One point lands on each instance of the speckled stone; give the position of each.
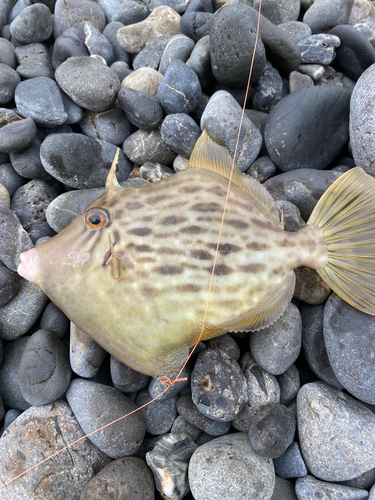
(160, 415)
(284, 490)
(86, 355)
(141, 109)
(268, 90)
(151, 55)
(280, 12)
(69, 13)
(225, 343)
(16, 133)
(54, 320)
(111, 126)
(310, 287)
(143, 146)
(4, 196)
(33, 24)
(324, 14)
(290, 464)
(181, 425)
(125, 379)
(180, 133)
(310, 487)
(98, 44)
(34, 60)
(9, 79)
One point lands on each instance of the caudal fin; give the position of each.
(346, 215)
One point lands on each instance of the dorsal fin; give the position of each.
(208, 154)
(111, 177)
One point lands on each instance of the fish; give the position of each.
(133, 271)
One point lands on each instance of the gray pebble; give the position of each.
(111, 126)
(284, 490)
(180, 133)
(7, 55)
(314, 71)
(289, 383)
(125, 379)
(151, 55)
(225, 343)
(95, 405)
(110, 32)
(9, 285)
(280, 12)
(336, 433)
(156, 386)
(365, 480)
(148, 146)
(310, 487)
(145, 80)
(86, 355)
(181, 425)
(141, 109)
(178, 47)
(69, 13)
(365, 26)
(196, 25)
(310, 287)
(296, 30)
(262, 169)
(159, 415)
(267, 91)
(74, 76)
(9, 417)
(33, 24)
(70, 44)
(154, 172)
(228, 467)
(325, 14)
(16, 133)
(200, 62)
(54, 320)
(9, 79)
(290, 464)
(27, 162)
(121, 69)
(318, 49)
(130, 12)
(299, 81)
(180, 163)
(291, 214)
(98, 44)
(10, 390)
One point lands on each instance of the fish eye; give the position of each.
(96, 218)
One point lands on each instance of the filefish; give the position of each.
(134, 270)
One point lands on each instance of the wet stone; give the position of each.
(267, 91)
(74, 76)
(290, 464)
(272, 430)
(296, 30)
(180, 133)
(9, 79)
(128, 476)
(196, 25)
(86, 355)
(98, 44)
(229, 467)
(156, 386)
(143, 146)
(225, 343)
(188, 410)
(324, 14)
(9, 285)
(310, 287)
(181, 425)
(33, 24)
(95, 405)
(146, 80)
(125, 379)
(27, 162)
(262, 169)
(289, 383)
(168, 462)
(10, 390)
(30, 203)
(34, 434)
(313, 344)
(111, 126)
(151, 55)
(141, 109)
(70, 44)
(81, 162)
(16, 133)
(221, 117)
(160, 415)
(69, 13)
(130, 12)
(318, 49)
(336, 433)
(348, 337)
(180, 90)
(178, 47)
(54, 320)
(200, 62)
(7, 55)
(310, 487)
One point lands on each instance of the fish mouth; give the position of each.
(29, 266)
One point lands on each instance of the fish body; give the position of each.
(134, 271)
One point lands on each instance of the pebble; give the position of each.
(290, 464)
(110, 32)
(127, 476)
(95, 405)
(38, 433)
(146, 80)
(299, 81)
(196, 25)
(70, 14)
(33, 24)
(335, 433)
(10, 390)
(284, 490)
(110, 126)
(180, 90)
(160, 415)
(348, 335)
(95, 94)
(289, 383)
(130, 12)
(277, 347)
(9, 417)
(16, 133)
(365, 26)
(82, 162)
(200, 62)
(314, 71)
(27, 162)
(70, 44)
(310, 487)
(323, 15)
(361, 9)
(181, 425)
(267, 91)
(281, 12)
(292, 216)
(9, 79)
(225, 343)
(4, 196)
(121, 69)
(310, 287)
(313, 344)
(361, 121)
(85, 355)
(125, 379)
(162, 21)
(180, 163)
(156, 386)
(9, 285)
(142, 110)
(7, 53)
(229, 468)
(262, 169)
(180, 133)
(296, 30)
(154, 172)
(143, 146)
(98, 44)
(54, 320)
(318, 49)
(221, 117)
(33, 61)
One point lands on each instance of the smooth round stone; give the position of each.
(34, 61)
(160, 415)
(221, 118)
(81, 162)
(110, 32)
(44, 369)
(110, 126)
(307, 129)
(125, 379)
(280, 12)
(310, 487)
(86, 355)
(299, 81)
(31, 214)
(162, 21)
(4, 196)
(336, 433)
(348, 337)
(128, 476)
(98, 44)
(141, 109)
(188, 410)
(365, 26)
(362, 109)
(181, 425)
(267, 91)
(218, 385)
(154, 172)
(229, 468)
(325, 14)
(180, 90)
(9, 79)
(14, 239)
(10, 391)
(9, 285)
(145, 80)
(200, 62)
(232, 41)
(143, 146)
(290, 464)
(95, 405)
(284, 490)
(168, 462)
(121, 69)
(313, 345)
(178, 47)
(70, 44)
(16, 133)
(200, 6)
(289, 383)
(37, 434)
(196, 25)
(156, 386)
(272, 430)
(130, 12)
(33, 24)
(262, 169)
(72, 14)
(180, 133)
(151, 55)
(310, 287)
(27, 162)
(88, 82)
(318, 49)
(54, 320)
(7, 55)
(296, 30)
(225, 343)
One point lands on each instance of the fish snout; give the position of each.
(29, 265)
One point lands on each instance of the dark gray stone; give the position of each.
(151, 55)
(54, 320)
(200, 62)
(310, 287)
(125, 379)
(318, 49)
(9, 285)
(181, 425)
(16, 133)
(280, 12)
(130, 12)
(10, 390)
(290, 464)
(180, 133)
(148, 146)
(154, 172)
(291, 214)
(141, 109)
(86, 355)
(27, 162)
(365, 26)
(98, 44)
(160, 415)
(110, 32)
(69, 44)
(177, 47)
(262, 169)
(310, 487)
(34, 61)
(95, 405)
(267, 91)
(156, 386)
(9, 79)
(298, 81)
(284, 490)
(70, 14)
(196, 25)
(33, 24)
(7, 55)
(364, 481)
(188, 410)
(9, 417)
(296, 30)
(289, 383)
(324, 14)
(111, 126)
(225, 343)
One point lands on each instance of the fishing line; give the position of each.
(166, 380)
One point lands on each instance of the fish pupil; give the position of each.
(95, 219)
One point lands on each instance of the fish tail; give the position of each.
(346, 216)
